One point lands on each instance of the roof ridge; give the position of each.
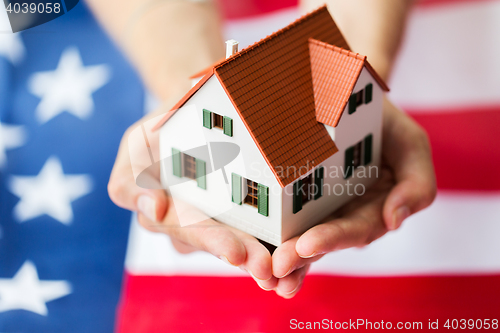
(271, 36)
(339, 49)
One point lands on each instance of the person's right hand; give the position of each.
(156, 211)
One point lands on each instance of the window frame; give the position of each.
(188, 166)
(217, 121)
(360, 156)
(251, 198)
(360, 98)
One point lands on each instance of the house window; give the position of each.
(218, 121)
(307, 189)
(255, 195)
(211, 119)
(184, 165)
(356, 160)
(364, 96)
(189, 170)
(358, 155)
(251, 197)
(359, 98)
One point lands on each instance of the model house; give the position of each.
(303, 116)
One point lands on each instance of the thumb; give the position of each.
(123, 189)
(125, 193)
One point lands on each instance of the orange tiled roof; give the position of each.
(270, 83)
(335, 72)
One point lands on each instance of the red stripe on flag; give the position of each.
(236, 304)
(464, 147)
(246, 8)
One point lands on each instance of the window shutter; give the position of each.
(207, 119)
(318, 181)
(201, 173)
(228, 126)
(352, 104)
(368, 93)
(297, 196)
(349, 162)
(263, 199)
(176, 162)
(236, 188)
(368, 149)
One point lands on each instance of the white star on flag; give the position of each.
(11, 44)
(10, 137)
(68, 88)
(50, 192)
(26, 292)
(11, 47)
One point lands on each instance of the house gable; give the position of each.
(335, 72)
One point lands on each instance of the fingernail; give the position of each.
(147, 206)
(280, 277)
(266, 289)
(256, 278)
(314, 254)
(399, 216)
(290, 292)
(224, 258)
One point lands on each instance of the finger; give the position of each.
(182, 247)
(407, 152)
(358, 228)
(207, 235)
(286, 260)
(289, 286)
(258, 262)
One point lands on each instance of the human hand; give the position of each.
(406, 186)
(157, 212)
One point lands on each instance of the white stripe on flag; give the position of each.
(450, 57)
(458, 234)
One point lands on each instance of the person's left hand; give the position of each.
(406, 185)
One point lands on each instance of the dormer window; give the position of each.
(212, 119)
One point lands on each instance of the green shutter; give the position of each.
(201, 173)
(228, 126)
(349, 162)
(352, 104)
(368, 93)
(297, 196)
(236, 188)
(263, 199)
(368, 149)
(176, 162)
(318, 181)
(207, 119)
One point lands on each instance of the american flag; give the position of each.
(66, 97)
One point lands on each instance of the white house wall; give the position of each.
(184, 131)
(351, 129)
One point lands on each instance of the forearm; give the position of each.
(166, 40)
(372, 27)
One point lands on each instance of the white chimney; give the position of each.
(231, 47)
